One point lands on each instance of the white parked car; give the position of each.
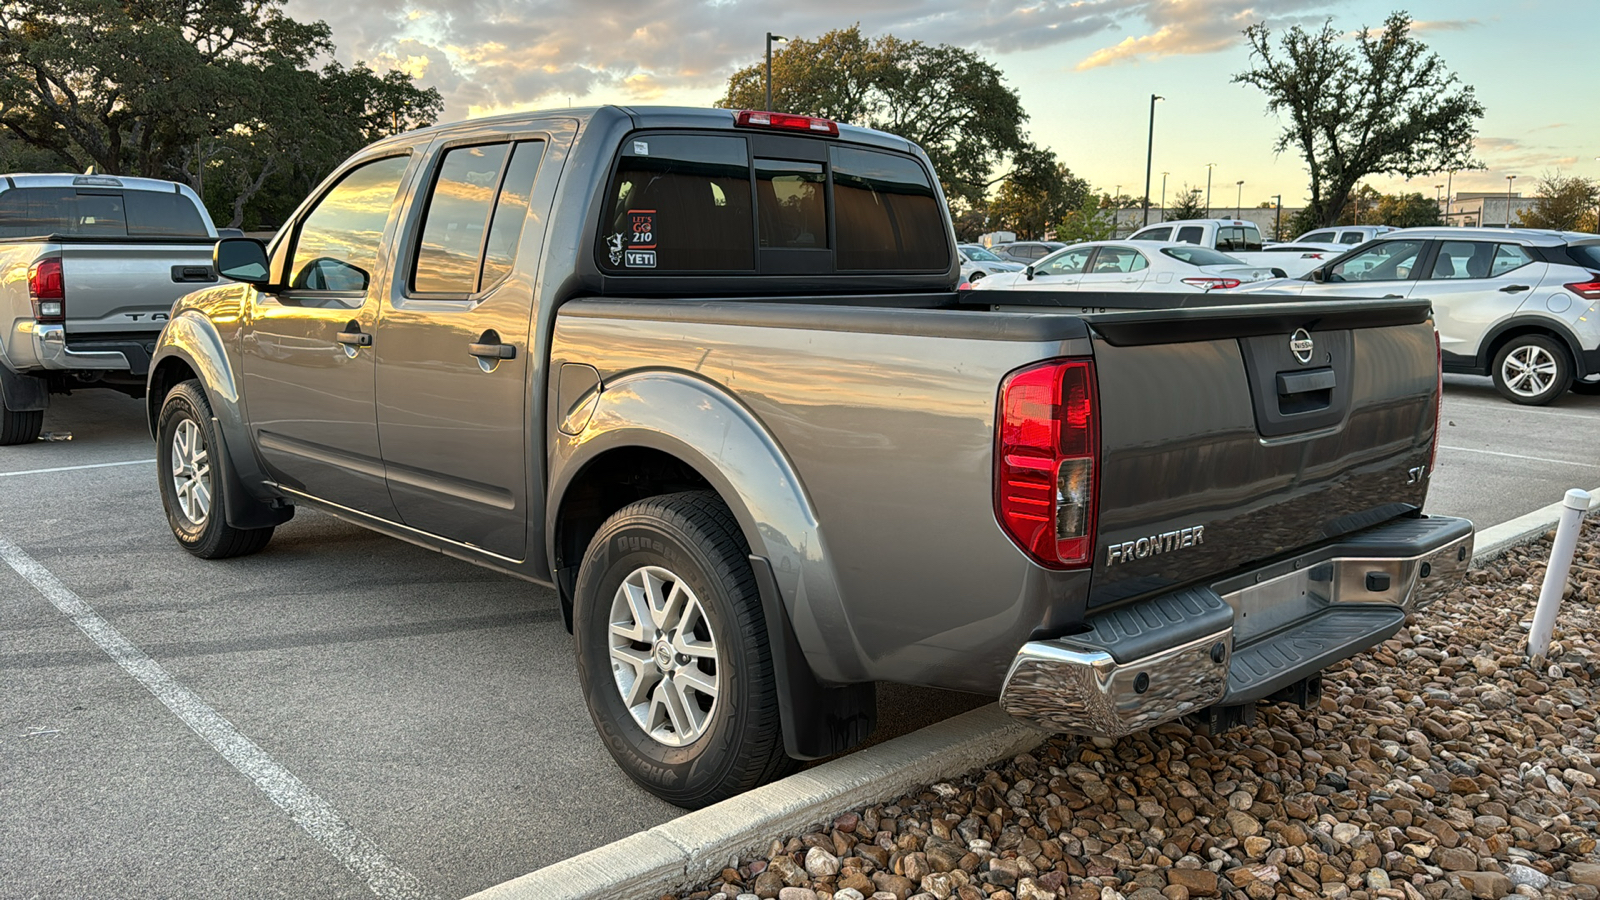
(1128, 266)
(1519, 305)
(978, 263)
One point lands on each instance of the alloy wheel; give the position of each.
(191, 472)
(1528, 370)
(664, 657)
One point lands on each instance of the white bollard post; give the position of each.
(1555, 574)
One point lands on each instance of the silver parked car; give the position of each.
(1518, 305)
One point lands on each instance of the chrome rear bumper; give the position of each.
(1239, 640)
(50, 348)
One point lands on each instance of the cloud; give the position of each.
(1184, 27)
(1444, 25)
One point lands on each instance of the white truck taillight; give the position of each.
(1046, 445)
(47, 290)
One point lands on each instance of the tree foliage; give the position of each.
(1188, 205)
(1563, 204)
(950, 101)
(1038, 194)
(1089, 222)
(1412, 210)
(1384, 105)
(220, 94)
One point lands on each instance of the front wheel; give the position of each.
(977, 276)
(1532, 369)
(189, 470)
(673, 653)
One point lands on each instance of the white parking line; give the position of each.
(310, 812)
(1559, 462)
(131, 462)
(1512, 407)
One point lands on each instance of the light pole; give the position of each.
(1509, 179)
(1149, 156)
(1209, 167)
(770, 38)
(1438, 199)
(1238, 203)
(1164, 195)
(1277, 226)
(1449, 185)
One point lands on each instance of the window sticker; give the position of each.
(614, 245)
(641, 259)
(642, 148)
(642, 222)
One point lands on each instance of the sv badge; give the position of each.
(1416, 474)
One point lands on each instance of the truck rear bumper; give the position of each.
(1239, 640)
(51, 352)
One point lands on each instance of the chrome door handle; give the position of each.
(354, 338)
(492, 351)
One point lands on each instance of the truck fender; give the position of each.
(710, 431)
(23, 393)
(192, 341)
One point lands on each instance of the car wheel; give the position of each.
(19, 426)
(191, 478)
(673, 654)
(977, 275)
(1532, 369)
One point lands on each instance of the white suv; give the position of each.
(1518, 304)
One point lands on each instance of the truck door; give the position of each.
(453, 357)
(307, 353)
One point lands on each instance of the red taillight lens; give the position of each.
(1212, 284)
(1588, 290)
(1047, 443)
(47, 290)
(750, 118)
(964, 286)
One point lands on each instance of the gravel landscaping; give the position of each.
(1438, 765)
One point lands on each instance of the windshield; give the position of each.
(1200, 256)
(978, 254)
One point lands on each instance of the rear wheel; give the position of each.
(191, 476)
(1532, 369)
(977, 275)
(19, 426)
(673, 653)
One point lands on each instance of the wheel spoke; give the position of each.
(656, 603)
(672, 607)
(637, 610)
(691, 678)
(672, 697)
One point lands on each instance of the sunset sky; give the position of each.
(1084, 69)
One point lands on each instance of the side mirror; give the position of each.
(1318, 276)
(1028, 272)
(242, 259)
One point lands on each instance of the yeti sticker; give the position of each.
(641, 259)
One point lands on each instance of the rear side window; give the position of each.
(888, 216)
(1190, 234)
(511, 212)
(1154, 234)
(1323, 237)
(1238, 238)
(1351, 237)
(457, 219)
(681, 203)
(1585, 255)
(1119, 259)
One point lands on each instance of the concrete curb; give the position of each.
(694, 847)
(698, 845)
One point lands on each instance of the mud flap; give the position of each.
(818, 720)
(23, 393)
(241, 509)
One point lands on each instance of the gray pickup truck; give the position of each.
(708, 375)
(90, 266)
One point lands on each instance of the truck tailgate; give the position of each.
(129, 286)
(1233, 435)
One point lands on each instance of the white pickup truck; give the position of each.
(90, 266)
(1242, 241)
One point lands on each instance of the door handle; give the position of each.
(354, 338)
(492, 351)
(1514, 289)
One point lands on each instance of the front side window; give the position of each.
(1119, 259)
(337, 248)
(791, 198)
(1154, 234)
(1383, 261)
(456, 219)
(1069, 262)
(887, 213)
(681, 203)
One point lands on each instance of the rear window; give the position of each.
(700, 203)
(97, 212)
(1199, 256)
(1234, 237)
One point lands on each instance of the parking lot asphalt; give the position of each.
(345, 715)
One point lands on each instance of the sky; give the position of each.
(1084, 69)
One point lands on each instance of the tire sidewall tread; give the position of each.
(215, 539)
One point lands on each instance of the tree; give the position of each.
(1407, 210)
(1089, 222)
(1382, 106)
(1039, 192)
(1188, 206)
(218, 94)
(950, 101)
(1563, 204)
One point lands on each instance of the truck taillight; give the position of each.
(1588, 290)
(47, 290)
(750, 118)
(1212, 284)
(1047, 444)
(1438, 400)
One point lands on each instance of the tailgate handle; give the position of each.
(193, 274)
(1301, 382)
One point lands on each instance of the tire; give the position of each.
(1532, 369)
(685, 554)
(977, 276)
(19, 426)
(191, 487)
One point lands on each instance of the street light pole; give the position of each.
(1209, 167)
(1438, 198)
(1509, 179)
(1164, 195)
(1238, 203)
(770, 38)
(1149, 156)
(1449, 185)
(1277, 227)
